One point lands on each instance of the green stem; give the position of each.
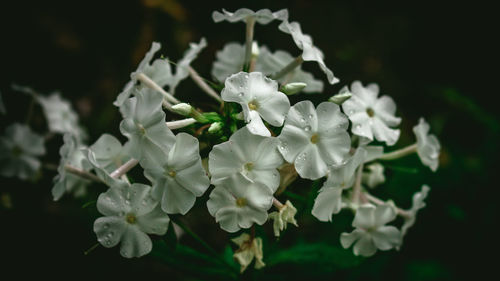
(200, 240)
(290, 67)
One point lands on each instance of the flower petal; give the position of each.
(109, 230)
(310, 164)
(365, 246)
(327, 203)
(386, 237)
(135, 243)
(365, 217)
(154, 222)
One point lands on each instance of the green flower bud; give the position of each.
(293, 88)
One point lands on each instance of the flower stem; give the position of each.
(277, 203)
(399, 153)
(177, 124)
(81, 173)
(152, 84)
(290, 67)
(91, 248)
(123, 169)
(356, 192)
(199, 240)
(249, 41)
(379, 201)
(203, 85)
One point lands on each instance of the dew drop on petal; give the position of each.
(307, 128)
(310, 116)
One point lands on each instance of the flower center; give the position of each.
(253, 105)
(172, 173)
(141, 129)
(241, 202)
(314, 138)
(370, 112)
(131, 218)
(248, 166)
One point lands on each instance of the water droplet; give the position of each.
(351, 112)
(302, 119)
(240, 94)
(310, 116)
(307, 128)
(127, 202)
(358, 126)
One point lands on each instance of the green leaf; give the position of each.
(320, 256)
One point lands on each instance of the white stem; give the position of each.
(399, 153)
(152, 84)
(357, 185)
(177, 124)
(277, 203)
(123, 169)
(81, 173)
(204, 86)
(379, 201)
(249, 40)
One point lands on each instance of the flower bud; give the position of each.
(215, 127)
(293, 88)
(183, 109)
(341, 97)
(255, 50)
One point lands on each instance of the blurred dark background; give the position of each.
(433, 57)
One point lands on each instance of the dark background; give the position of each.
(436, 59)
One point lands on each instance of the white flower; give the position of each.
(230, 60)
(371, 116)
(309, 51)
(418, 203)
(314, 138)
(249, 249)
(130, 214)
(144, 125)
(182, 66)
(371, 233)
(340, 177)
(259, 97)
(374, 176)
(103, 174)
(239, 203)
(160, 72)
(71, 154)
(428, 146)
(178, 177)
(60, 116)
(271, 63)
(19, 152)
(255, 157)
(263, 16)
(284, 216)
(109, 152)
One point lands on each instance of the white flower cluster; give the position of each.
(253, 143)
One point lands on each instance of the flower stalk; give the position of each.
(250, 23)
(177, 124)
(399, 153)
(82, 173)
(152, 84)
(289, 68)
(203, 85)
(123, 169)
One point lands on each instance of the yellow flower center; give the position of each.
(253, 105)
(370, 112)
(241, 202)
(172, 173)
(249, 166)
(314, 138)
(131, 218)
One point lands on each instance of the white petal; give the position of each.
(228, 61)
(365, 217)
(193, 178)
(303, 115)
(365, 246)
(154, 222)
(327, 203)
(293, 140)
(135, 243)
(109, 230)
(274, 108)
(384, 214)
(176, 199)
(385, 108)
(112, 203)
(310, 164)
(384, 133)
(255, 124)
(346, 239)
(386, 237)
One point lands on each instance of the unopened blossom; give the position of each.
(144, 125)
(309, 51)
(61, 118)
(259, 98)
(313, 138)
(72, 154)
(284, 216)
(340, 177)
(249, 248)
(20, 148)
(130, 214)
(417, 204)
(109, 152)
(263, 16)
(372, 117)
(177, 176)
(374, 176)
(238, 203)
(428, 146)
(253, 156)
(371, 231)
